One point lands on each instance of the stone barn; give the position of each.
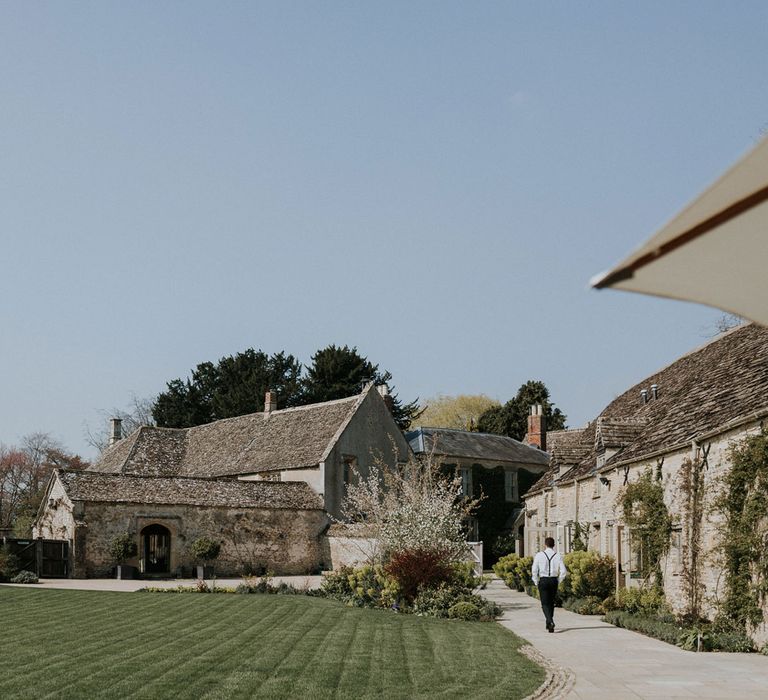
(261, 525)
(265, 485)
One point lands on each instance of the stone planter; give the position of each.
(124, 572)
(205, 572)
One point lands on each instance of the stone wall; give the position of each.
(282, 541)
(372, 432)
(56, 521)
(348, 546)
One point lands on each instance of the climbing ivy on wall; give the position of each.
(580, 537)
(691, 485)
(650, 524)
(743, 501)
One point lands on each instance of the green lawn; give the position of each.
(82, 644)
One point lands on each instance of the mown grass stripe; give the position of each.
(74, 644)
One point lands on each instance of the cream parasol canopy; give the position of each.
(713, 252)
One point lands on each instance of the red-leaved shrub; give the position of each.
(418, 568)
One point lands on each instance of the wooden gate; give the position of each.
(46, 558)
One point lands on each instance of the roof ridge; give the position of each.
(703, 346)
(78, 472)
(131, 451)
(340, 430)
(622, 419)
(290, 409)
(475, 432)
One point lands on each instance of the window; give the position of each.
(676, 551)
(349, 468)
(510, 486)
(270, 476)
(553, 498)
(596, 488)
(466, 481)
(594, 539)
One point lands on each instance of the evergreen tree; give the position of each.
(512, 418)
(338, 372)
(234, 386)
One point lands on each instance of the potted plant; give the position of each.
(122, 548)
(205, 550)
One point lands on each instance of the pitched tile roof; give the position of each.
(614, 432)
(470, 445)
(291, 438)
(718, 384)
(229, 493)
(567, 449)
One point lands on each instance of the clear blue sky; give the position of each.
(432, 182)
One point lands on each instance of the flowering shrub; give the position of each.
(416, 508)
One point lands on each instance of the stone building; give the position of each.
(495, 467)
(265, 485)
(694, 409)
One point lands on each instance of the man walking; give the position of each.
(547, 572)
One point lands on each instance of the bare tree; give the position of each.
(13, 483)
(24, 473)
(139, 413)
(722, 324)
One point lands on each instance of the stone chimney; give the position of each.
(116, 430)
(270, 401)
(537, 427)
(383, 390)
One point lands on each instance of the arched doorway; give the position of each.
(156, 549)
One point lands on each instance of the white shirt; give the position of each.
(548, 563)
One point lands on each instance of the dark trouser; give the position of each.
(547, 593)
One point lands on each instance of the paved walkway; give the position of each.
(111, 584)
(609, 663)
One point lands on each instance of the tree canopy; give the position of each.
(338, 372)
(512, 418)
(460, 412)
(236, 386)
(232, 387)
